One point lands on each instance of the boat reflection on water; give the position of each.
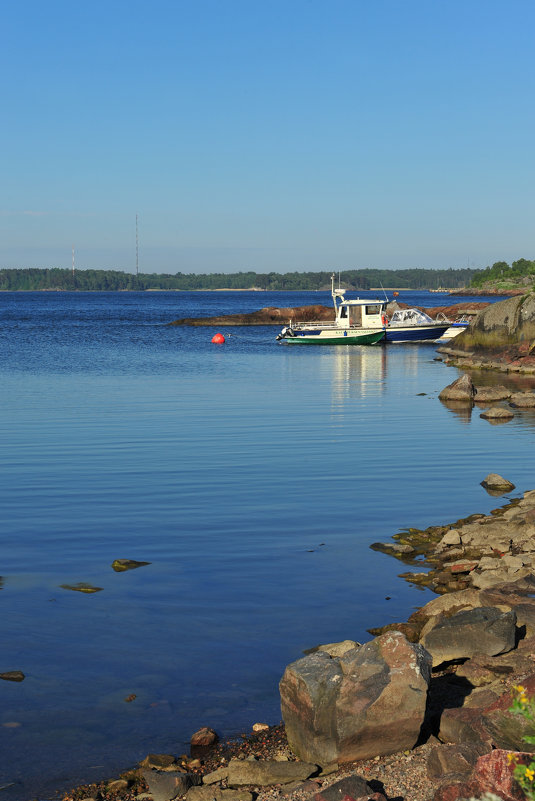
(356, 372)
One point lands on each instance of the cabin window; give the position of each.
(374, 309)
(343, 312)
(356, 315)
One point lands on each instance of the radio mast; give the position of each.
(137, 250)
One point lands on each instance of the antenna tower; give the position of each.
(137, 251)
(73, 261)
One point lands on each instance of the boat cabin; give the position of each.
(357, 313)
(360, 313)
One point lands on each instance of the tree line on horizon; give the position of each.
(35, 279)
(502, 272)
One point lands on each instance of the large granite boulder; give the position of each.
(485, 630)
(508, 323)
(369, 701)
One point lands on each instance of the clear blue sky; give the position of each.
(267, 134)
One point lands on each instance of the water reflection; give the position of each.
(460, 409)
(356, 372)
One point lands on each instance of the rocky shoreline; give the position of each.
(483, 569)
(273, 315)
(422, 711)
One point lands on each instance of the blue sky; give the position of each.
(267, 135)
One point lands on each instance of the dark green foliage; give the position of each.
(113, 280)
(500, 271)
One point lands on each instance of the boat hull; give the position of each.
(322, 337)
(454, 329)
(415, 333)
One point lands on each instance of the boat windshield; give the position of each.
(410, 317)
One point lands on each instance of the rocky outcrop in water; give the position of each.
(271, 315)
(502, 336)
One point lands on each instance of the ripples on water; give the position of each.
(252, 476)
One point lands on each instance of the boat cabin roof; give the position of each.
(360, 302)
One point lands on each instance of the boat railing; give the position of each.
(332, 324)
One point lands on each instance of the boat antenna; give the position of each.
(384, 293)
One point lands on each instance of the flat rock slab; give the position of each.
(497, 414)
(394, 548)
(459, 759)
(338, 648)
(242, 773)
(488, 394)
(166, 786)
(485, 630)
(354, 787)
(164, 762)
(217, 794)
(524, 400)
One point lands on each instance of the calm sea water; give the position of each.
(253, 477)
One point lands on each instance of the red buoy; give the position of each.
(218, 339)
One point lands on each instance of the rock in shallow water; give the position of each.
(497, 483)
(120, 565)
(13, 675)
(460, 390)
(497, 415)
(204, 737)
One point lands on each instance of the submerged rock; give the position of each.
(81, 587)
(120, 565)
(13, 675)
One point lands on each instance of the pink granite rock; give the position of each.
(370, 701)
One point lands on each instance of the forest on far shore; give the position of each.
(500, 275)
(114, 280)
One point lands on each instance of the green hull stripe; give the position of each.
(369, 339)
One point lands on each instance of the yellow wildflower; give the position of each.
(529, 774)
(519, 689)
